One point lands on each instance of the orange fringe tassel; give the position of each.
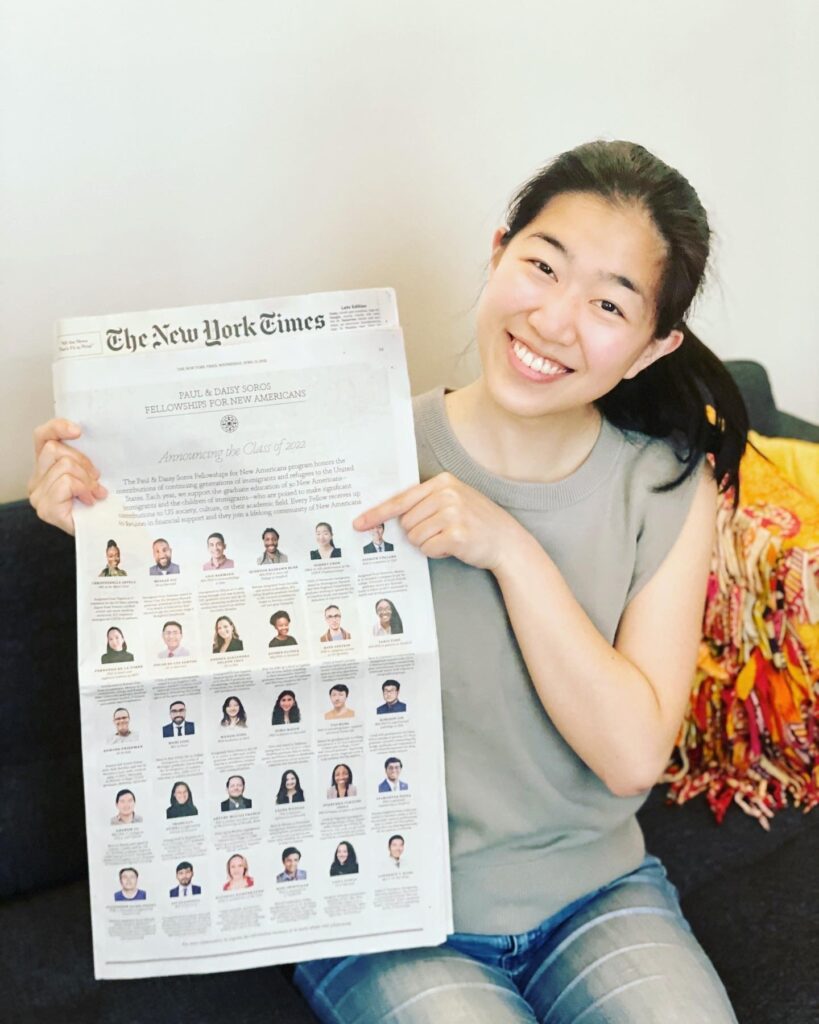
(750, 735)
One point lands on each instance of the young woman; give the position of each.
(116, 650)
(286, 710)
(341, 783)
(237, 874)
(388, 621)
(233, 714)
(325, 545)
(344, 861)
(112, 559)
(225, 637)
(290, 791)
(280, 621)
(569, 514)
(181, 805)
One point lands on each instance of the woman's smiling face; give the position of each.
(569, 308)
(224, 629)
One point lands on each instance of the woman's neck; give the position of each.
(533, 449)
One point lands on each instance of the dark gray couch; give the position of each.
(752, 897)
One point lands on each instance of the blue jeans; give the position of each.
(623, 954)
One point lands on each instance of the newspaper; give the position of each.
(259, 686)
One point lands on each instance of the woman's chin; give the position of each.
(517, 397)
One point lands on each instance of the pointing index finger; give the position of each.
(392, 507)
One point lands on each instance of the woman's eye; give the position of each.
(543, 268)
(609, 307)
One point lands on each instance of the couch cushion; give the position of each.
(47, 977)
(696, 850)
(757, 921)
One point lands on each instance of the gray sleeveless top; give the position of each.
(531, 827)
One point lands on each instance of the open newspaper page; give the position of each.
(259, 687)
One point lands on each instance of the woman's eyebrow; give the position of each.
(621, 279)
(605, 275)
(551, 241)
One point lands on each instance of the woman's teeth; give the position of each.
(538, 363)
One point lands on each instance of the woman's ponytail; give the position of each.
(691, 400)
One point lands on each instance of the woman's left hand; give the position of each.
(444, 517)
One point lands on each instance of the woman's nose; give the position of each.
(555, 319)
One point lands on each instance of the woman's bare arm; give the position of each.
(618, 706)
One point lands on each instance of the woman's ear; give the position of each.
(497, 247)
(654, 350)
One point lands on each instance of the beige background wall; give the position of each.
(160, 154)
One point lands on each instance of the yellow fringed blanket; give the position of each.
(751, 732)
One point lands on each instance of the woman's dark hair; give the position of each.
(111, 544)
(280, 614)
(667, 399)
(178, 810)
(396, 625)
(278, 714)
(241, 715)
(281, 796)
(108, 648)
(327, 525)
(333, 777)
(173, 792)
(350, 866)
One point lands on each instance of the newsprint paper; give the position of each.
(259, 687)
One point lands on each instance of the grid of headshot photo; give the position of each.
(290, 592)
(256, 712)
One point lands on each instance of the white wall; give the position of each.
(161, 154)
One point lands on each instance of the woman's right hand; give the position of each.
(61, 474)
